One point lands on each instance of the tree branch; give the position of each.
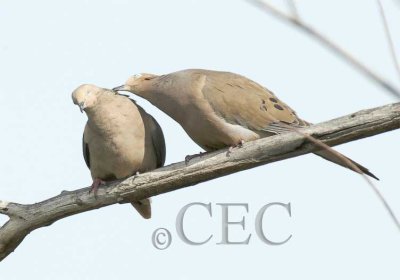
(293, 8)
(389, 38)
(26, 218)
(300, 24)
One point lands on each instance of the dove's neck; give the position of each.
(168, 96)
(101, 117)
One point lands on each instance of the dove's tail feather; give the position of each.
(143, 207)
(336, 159)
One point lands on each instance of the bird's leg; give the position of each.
(190, 157)
(238, 145)
(134, 175)
(95, 185)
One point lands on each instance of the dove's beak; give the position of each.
(81, 106)
(121, 88)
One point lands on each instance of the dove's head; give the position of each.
(136, 84)
(85, 96)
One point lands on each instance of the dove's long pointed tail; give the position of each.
(143, 207)
(336, 159)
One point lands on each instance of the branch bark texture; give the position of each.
(23, 219)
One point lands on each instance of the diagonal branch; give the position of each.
(369, 73)
(26, 218)
(293, 8)
(389, 38)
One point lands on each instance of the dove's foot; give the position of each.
(239, 145)
(190, 157)
(95, 185)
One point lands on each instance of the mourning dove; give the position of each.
(120, 139)
(220, 109)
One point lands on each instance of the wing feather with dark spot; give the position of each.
(239, 100)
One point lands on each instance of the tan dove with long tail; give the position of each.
(220, 109)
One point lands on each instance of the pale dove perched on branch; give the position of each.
(120, 138)
(220, 109)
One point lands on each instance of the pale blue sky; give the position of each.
(340, 229)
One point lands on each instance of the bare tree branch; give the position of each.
(329, 44)
(23, 219)
(293, 8)
(389, 38)
(354, 167)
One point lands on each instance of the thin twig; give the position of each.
(352, 166)
(298, 22)
(330, 44)
(293, 8)
(389, 38)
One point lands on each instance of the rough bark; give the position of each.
(23, 219)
